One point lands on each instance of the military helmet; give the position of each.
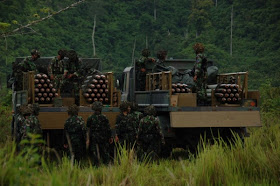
(62, 53)
(97, 106)
(124, 106)
(26, 110)
(145, 52)
(73, 110)
(198, 48)
(150, 110)
(162, 54)
(35, 52)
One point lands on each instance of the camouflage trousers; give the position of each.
(99, 153)
(148, 147)
(57, 81)
(200, 87)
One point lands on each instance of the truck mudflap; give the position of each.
(183, 119)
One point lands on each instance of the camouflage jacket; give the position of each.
(76, 128)
(72, 67)
(199, 67)
(28, 65)
(136, 117)
(31, 125)
(149, 129)
(56, 67)
(99, 128)
(125, 125)
(19, 119)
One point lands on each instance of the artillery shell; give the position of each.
(103, 76)
(39, 85)
(42, 90)
(173, 90)
(103, 95)
(44, 76)
(95, 99)
(92, 85)
(101, 99)
(229, 99)
(107, 90)
(45, 85)
(42, 99)
(231, 95)
(97, 77)
(234, 99)
(104, 86)
(98, 86)
(101, 81)
(45, 95)
(92, 95)
(106, 100)
(178, 90)
(36, 99)
(237, 95)
(226, 95)
(36, 81)
(101, 90)
(86, 95)
(53, 90)
(48, 99)
(39, 94)
(224, 99)
(89, 90)
(51, 95)
(228, 90)
(89, 100)
(37, 90)
(95, 90)
(48, 90)
(42, 81)
(51, 85)
(55, 94)
(94, 81)
(98, 95)
(107, 81)
(234, 90)
(219, 95)
(38, 76)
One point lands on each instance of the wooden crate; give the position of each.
(159, 81)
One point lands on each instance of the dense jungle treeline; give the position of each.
(160, 24)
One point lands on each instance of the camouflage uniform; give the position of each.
(99, 134)
(69, 84)
(141, 70)
(125, 128)
(75, 127)
(19, 122)
(56, 69)
(31, 123)
(150, 136)
(200, 71)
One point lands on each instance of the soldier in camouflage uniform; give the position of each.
(200, 73)
(71, 75)
(125, 126)
(56, 69)
(160, 66)
(141, 69)
(135, 114)
(150, 137)
(75, 133)
(17, 124)
(31, 123)
(98, 135)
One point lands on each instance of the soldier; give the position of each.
(141, 69)
(200, 73)
(125, 129)
(71, 75)
(98, 135)
(160, 66)
(56, 69)
(135, 114)
(28, 63)
(31, 123)
(17, 124)
(75, 133)
(150, 137)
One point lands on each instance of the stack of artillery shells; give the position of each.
(228, 93)
(44, 90)
(180, 88)
(96, 88)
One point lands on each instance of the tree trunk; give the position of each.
(231, 23)
(92, 37)
(133, 51)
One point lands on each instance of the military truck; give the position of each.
(184, 122)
